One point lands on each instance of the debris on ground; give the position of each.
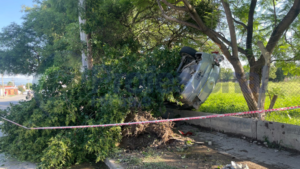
(186, 134)
(234, 165)
(193, 152)
(144, 135)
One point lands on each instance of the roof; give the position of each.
(10, 87)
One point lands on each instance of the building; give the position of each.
(11, 90)
(1, 91)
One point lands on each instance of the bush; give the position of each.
(21, 89)
(106, 94)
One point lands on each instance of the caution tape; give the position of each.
(157, 121)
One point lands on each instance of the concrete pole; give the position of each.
(83, 37)
(3, 89)
(28, 84)
(264, 80)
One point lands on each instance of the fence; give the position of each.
(227, 98)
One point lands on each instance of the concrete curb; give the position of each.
(112, 164)
(286, 135)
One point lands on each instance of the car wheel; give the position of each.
(188, 50)
(187, 56)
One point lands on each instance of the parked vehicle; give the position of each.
(199, 72)
(29, 95)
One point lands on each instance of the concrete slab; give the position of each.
(235, 125)
(243, 149)
(173, 113)
(112, 164)
(286, 135)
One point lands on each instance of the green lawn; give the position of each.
(228, 98)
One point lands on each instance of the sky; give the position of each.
(10, 11)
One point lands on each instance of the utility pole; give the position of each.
(3, 89)
(83, 36)
(87, 59)
(28, 84)
(13, 82)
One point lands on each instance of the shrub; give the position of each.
(106, 94)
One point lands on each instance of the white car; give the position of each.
(199, 72)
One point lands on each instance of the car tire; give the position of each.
(188, 50)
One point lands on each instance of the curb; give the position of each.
(112, 164)
(286, 135)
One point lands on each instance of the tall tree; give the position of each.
(46, 37)
(236, 13)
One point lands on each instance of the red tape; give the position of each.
(157, 121)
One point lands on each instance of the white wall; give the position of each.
(1, 92)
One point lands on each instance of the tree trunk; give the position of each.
(273, 101)
(255, 79)
(247, 93)
(251, 91)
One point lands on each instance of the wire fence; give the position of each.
(227, 97)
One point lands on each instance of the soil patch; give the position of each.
(178, 151)
(145, 135)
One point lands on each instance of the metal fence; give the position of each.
(227, 97)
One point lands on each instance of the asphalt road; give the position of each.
(5, 102)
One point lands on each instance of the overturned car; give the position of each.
(199, 73)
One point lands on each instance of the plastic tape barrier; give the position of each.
(156, 121)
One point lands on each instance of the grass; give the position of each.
(228, 98)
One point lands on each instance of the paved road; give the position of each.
(5, 162)
(4, 102)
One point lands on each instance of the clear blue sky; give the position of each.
(10, 11)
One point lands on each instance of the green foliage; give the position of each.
(10, 84)
(272, 72)
(146, 79)
(226, 74)
(44, 37)
(279, 75)
(208, 13)
(21, 88)
(28, 85)
(104, 95)
(228, 98)
(275, 90)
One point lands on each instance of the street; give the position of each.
(4, 102)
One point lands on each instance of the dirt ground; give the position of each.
(180, 151)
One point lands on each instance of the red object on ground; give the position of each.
(186, 134)
(216, 52)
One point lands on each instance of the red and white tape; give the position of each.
(157, 121)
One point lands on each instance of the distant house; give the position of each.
(11, 90)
